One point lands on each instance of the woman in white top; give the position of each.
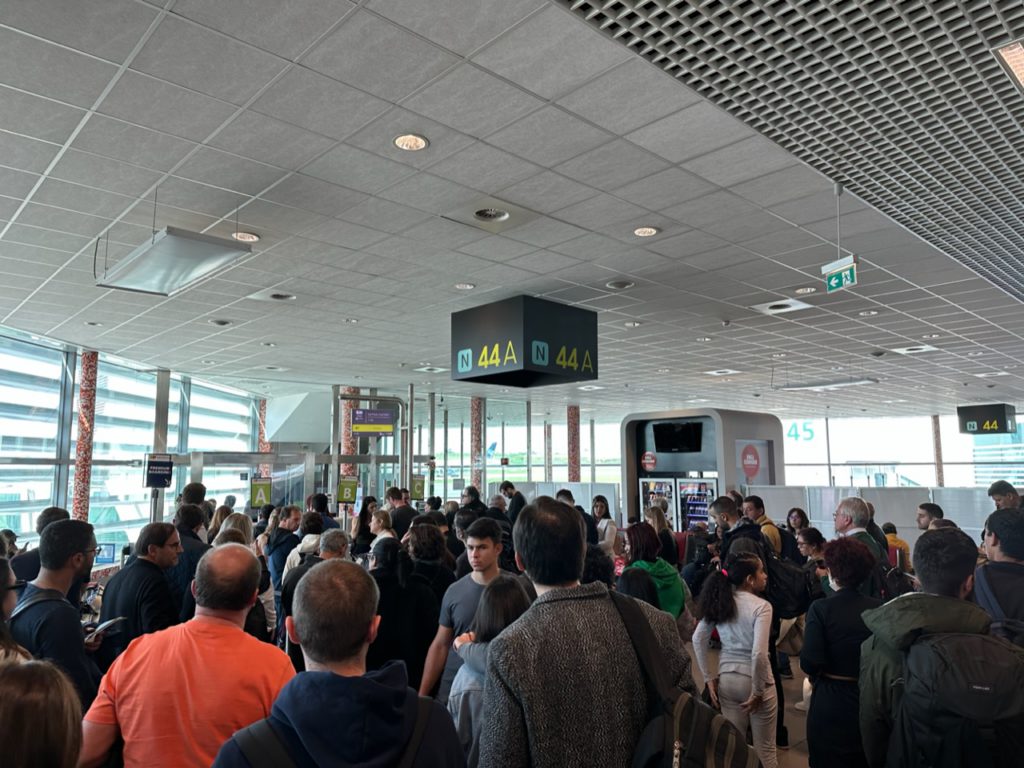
(743, 686)
(606, 529)
(380, 525)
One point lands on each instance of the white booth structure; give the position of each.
(692, 456)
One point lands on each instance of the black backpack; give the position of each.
(888, 583)
(791, 589)
(683, 732)
(790, 550)
(1002, 626)
(962, 704)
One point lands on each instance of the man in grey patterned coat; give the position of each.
(564, 687)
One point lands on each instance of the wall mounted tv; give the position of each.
(678, 437)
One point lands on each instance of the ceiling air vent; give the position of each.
(491, 214)
(781, 307)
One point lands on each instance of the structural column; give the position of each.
(83, 447)
(572, 416)
(476, 443)
(349, 442)
(940, 471)
(548, 462)
(262, 444)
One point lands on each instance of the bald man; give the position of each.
(175, 696)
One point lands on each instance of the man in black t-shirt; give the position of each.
(1004, 573)
(44, 622)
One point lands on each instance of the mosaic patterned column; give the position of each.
(549, 471)
(572, 416)
(476, 442)
(83, 446)
(263, 445)
(349, 443)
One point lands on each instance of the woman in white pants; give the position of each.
(743, 686)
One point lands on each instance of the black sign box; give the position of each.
(987, 419)
(524, 342)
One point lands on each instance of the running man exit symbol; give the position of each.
(465, 360)
(539, 353)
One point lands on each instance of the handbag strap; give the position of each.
(262, 746)
(645, 644)
(987, 598)
(412, 748)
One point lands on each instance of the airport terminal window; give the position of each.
(29, 394)
(220, 420)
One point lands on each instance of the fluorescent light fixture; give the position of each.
(632, 324)
(867, 313)
(991, 374)
(722, 372)
(171, 261)
(588, 388)
(1011, 56)
(805, 291)
(465, 286)
(827, 386)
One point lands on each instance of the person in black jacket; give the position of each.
(189, 519)
(280, 540)
(427, 549)
(408, 611)
(471, 500)
(26, 565)
(831, 657)
(139, 592)
(516, 500)
(565, 496)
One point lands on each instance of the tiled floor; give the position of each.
(796, 721)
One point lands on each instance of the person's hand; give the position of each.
(713, 693)
(93, 645)
(461, 640)
(752, 704)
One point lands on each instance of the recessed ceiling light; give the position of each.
(932, 336)
(975, 354)
(779, 355)
(891, 402)
(208, 362)
(805, 291)
(411, 142)
(632, 323)
(722, 372)
(283, 296)
(352, 320)
(219, 321)
(917, 349)
(646, 231)
(273, 368)
(465, 286)
(703, 338)
(588, 388)
(619, 285)
(430, 369)
(268, 344)
(697, 400)
(663, 370)
(836, 368)
(93, 324)
(867, 313)
(427, 383)
(506, 390)
(246, 237)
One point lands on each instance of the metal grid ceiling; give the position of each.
(903, 102)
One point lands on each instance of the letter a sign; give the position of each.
(260, 491)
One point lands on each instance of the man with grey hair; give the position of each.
(176, 695)
(852, 517)
(335, 621)
(333, 546)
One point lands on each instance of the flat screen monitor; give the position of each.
(107, 555)
(678, 437)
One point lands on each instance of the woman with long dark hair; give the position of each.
(655, 517)
(430, 558)
(9, 648)
(743, 684)
(362, 537)
(831, 657)
(407, 608)
(796, 520)
(502, 602)
(606, 528)
(641, 549)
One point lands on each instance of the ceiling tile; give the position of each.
(319, 104)
(216, 168)
(192, 196)
(612, 165)
(693, 131)
(544, 232)
(384, 215)
(664, 189)
(205, 61)
(546, 192)
(437, 20)
(377, 68)
(786, 184)
(483, 167)
(345, 234)
(270, 141)
(357, 169)
(378, 137)
(103, 173)
(472, 101)
(599, 211)
(629, 96)
(37, 117)
(430, 193)
(742, 161)
(522, 54)
(70, 222)
(284, 28)
(49, 70)
(24, 154)
(314, 195)
(75, 197)
(16, 184)
(549, 136)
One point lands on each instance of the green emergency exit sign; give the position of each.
(843, 278)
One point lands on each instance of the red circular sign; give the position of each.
(648, 461)
(751, 461)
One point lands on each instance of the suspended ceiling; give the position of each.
(282, 115)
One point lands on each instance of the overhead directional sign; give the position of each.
(844, 278)
(998, 418)
(524, 342)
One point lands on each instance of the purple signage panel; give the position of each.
(368, 421)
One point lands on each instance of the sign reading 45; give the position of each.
(800, 431)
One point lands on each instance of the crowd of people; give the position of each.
(484, 634)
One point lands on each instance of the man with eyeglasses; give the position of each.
(139, 592)
(44, 622)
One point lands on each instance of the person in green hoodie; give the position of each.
(944, 562)
(641, 549)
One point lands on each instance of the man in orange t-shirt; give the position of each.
(175, 696)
